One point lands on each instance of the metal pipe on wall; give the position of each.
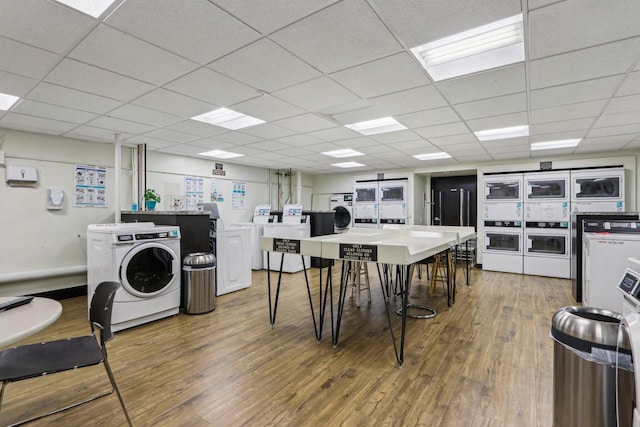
(42, 274)
(118, 172)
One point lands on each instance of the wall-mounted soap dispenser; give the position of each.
(55, 199)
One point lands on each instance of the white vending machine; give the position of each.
(294, 225)
(392, 206)
(365, 205)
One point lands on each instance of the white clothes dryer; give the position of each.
(342, 205)
(145, 260)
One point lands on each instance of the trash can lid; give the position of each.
(586, 327)
(200, 259)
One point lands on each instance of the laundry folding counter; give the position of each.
(403, 247)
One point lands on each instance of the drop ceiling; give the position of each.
(308, 68)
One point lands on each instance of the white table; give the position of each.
(403, 247)
(20, 322)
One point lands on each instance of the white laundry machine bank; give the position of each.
(629, 287)
(342, 205)
(365, 205)
(145, 260)
(606, 246)
(392, 207)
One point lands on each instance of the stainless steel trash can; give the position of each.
(590, 346)
(199, 283)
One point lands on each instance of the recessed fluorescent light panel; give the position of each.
(220, 154)
(502, 133)
(372, 127)
(483, 48)
(432, 156)
(348, 165)
(228, 119)
(93, 8)
(347, 152)
(550, 145)
(7, 101)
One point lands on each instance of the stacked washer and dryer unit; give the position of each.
(145, 259)
(547, 236)
(502, 215)
(380, 202)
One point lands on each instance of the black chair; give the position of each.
(31, 361)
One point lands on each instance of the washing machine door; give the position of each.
(149, 269)
(342, 217)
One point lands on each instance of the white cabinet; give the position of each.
(233, 252)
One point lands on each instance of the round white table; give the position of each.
(20, 322)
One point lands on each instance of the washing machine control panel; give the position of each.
(629, 286)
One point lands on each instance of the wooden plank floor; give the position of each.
(487, 361)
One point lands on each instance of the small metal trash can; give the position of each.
(590, 346)
(199, 283)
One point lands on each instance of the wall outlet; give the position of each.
(2, 158)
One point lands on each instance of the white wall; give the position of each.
(38, 244)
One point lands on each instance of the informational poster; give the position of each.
(90, 186)
(217, 191)
(194, 191)
(239, 195)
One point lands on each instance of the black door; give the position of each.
(454, 200)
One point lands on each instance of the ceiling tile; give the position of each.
(267, 108)
(442, 130)
(173, 103)
(567, 112)
(25, 60)
(556, 29)
(498, 122)
(622, 104)
(38, 23)
(211, 144)
(468, 147)
(557, 136)
(460, 139)
(316, 94)
(561, 126)
(183, 150)
(199, 30)
(212, 87)
(305, 123)
(354, 32)
(420, 145)
(493, 106)
(614, 130)
(621, 119)
(86, 78)
(237, 138)
(397, 136)
(600, 61)
(516, 155)
(436, 116)
(409, 101)
(13, 84)
(35, 124)
(391, 74)
(267, 131)
(572, 93)
(118, 125)
(609, 143)
(269, 146)
(152, 143)
(334, 134)
(267, 16)
(78, 100)
(54, 112)
(300, 140)
(631, 85)
(409, 19)
(488, 84)
(170, 135)
(116, 51)
(90, 133)
(143, 115)
(197, 128)
(261, 65)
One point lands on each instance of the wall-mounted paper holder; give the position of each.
(21, 175)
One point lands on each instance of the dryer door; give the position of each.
(342, 217)
(149, 269)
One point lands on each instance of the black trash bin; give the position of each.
(592, 365)
(199, 283)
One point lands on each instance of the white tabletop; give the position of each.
(20, 322)
(393, 246)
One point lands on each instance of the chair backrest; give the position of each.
(100, 310)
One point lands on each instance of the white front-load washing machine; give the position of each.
(342, 205)
(145, 260)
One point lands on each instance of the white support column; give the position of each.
(118, 172)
